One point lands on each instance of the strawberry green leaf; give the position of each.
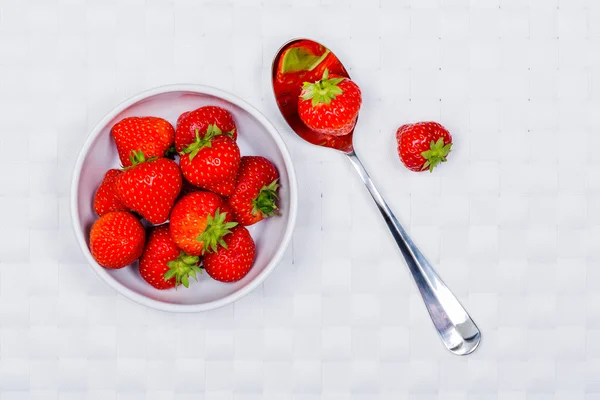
(300, 59)
(437, 153)
(182, 268)
(203, 141)
(266, 199)
(216, 228)
(193, 275)
(197, 269)
(137, 157)
(170, 273)
(323, 91)
(230, 133)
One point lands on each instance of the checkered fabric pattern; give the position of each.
(512, 221)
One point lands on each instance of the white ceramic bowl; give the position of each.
(257, 136)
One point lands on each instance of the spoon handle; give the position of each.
(454, 325)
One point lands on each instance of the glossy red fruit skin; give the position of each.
(223, 188)
(232, 263)
(213, 168)
(159, 250)
(117, 239)
(255, 173)
(150, 188)
(106, 199)
(152, 136)
(180, 119)
(336, 118)
(414, 139)
(200, 119)
(189, 219)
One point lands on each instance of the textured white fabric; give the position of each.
(512, 221)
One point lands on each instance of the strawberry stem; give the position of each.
(182, 268)
(265, 201)
(436, 154)
(216, 228)
(205, 141)
(322, 91)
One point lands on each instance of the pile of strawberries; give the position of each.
(207, 199)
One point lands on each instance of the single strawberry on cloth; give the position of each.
(423, 146)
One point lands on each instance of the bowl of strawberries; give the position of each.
(184, 198)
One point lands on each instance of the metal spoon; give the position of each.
(307, 59)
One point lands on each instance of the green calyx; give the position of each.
(182, 268)
(322, 91)
(137, 157)
(265, 201)
(436, 154)
(204, 141)
(300, 59)
(216, 228)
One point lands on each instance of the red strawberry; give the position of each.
(106, 199)
(255, 193)
(117, 239)
(330, 106)
(211, 161)
(423, 145)
(150, 187)
(223, 188)
(163, 265)
(232, 260)
(193, 123)
(197, 223)
(150, 135)
(181, 118)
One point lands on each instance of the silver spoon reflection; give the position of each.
(454, 325)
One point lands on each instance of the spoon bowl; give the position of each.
(287, 85)
(304, 60)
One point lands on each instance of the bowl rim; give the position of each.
(157, 304)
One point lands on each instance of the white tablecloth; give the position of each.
(512, 221)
